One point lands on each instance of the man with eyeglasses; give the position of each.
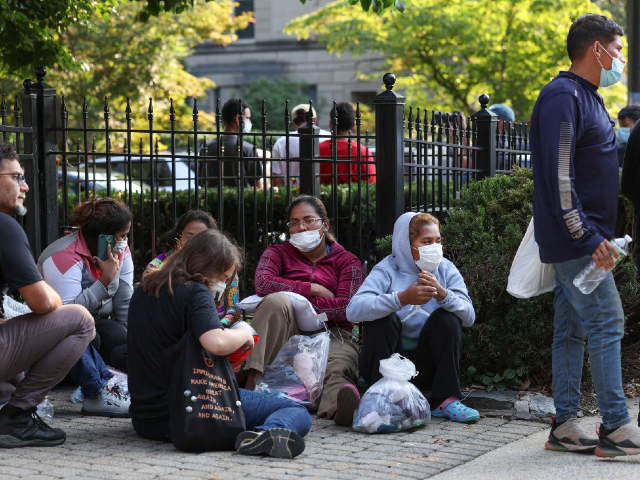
(48, 341)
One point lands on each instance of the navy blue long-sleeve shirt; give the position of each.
(575, 169)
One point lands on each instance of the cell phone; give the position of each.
(103, 241)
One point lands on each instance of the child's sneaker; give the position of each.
(346, 404)
(624, 440)
(277, 443)
(454, 410)
(112, 402)
(569, 436)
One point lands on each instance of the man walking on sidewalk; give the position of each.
(575, 173)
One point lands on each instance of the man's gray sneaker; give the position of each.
(624, 440)
(112, 402)
(569, 436)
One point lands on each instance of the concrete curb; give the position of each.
(512, 405)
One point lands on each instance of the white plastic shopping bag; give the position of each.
(530, 277)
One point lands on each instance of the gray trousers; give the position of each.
(48, 345)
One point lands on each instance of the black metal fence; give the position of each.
(416, 160)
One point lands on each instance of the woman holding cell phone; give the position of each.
(93, 267)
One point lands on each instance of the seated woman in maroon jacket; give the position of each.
(310, 263)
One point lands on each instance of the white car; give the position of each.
(76, 180)
(184, 175)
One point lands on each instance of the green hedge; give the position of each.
(511, 339)
(263, 221)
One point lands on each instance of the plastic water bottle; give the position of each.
(76, 396)
(45, 409)
(591, 276)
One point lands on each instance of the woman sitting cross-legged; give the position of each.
(71, 266)
(184, 289)
(312, 264)
(414, 302)
(190, 224)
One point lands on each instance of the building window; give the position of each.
(241, 7)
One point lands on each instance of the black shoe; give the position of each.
(277, 442)
(24, 428)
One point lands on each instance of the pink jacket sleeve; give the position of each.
(350, 279)
(268, 279)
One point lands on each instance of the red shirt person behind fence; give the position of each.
(346, 150)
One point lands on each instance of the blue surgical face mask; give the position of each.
(246, 128)
(623, 134)
(613, 76)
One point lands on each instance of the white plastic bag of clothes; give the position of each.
(393, 403)
(297, 372)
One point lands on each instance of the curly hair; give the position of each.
(8, 152)
(101, 215)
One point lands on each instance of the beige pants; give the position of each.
(275, 322)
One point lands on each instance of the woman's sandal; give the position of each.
(454, 410)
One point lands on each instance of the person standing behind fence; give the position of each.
(414, 302)
(236, 116)
(189, 225)
(46, 342)
(312, 264)
(279, 150)
(576, 185)
(346, 150)
(104, 287)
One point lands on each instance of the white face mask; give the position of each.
(307, 240)
(218, 289)
(119, 247)
(246, 127)
(430, 257)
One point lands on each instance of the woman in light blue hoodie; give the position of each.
(414, 302)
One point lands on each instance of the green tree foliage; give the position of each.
(447, 52)
(378, 6)
(122, 58)
(274, 91)
(31, 29)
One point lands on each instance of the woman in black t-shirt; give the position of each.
(185, 287)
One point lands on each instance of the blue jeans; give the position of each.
(261, 412)
(599, 318)
(90, 372)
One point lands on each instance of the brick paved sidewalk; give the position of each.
(109, 448)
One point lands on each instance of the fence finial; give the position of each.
(484, 100)
(41, 72)
(389, 80)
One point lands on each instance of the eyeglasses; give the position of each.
(306, 221)
(18, 176)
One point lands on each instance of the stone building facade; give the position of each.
(263, 50)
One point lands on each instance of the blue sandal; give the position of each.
(454, 410)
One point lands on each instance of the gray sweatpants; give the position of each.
(48, 345)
